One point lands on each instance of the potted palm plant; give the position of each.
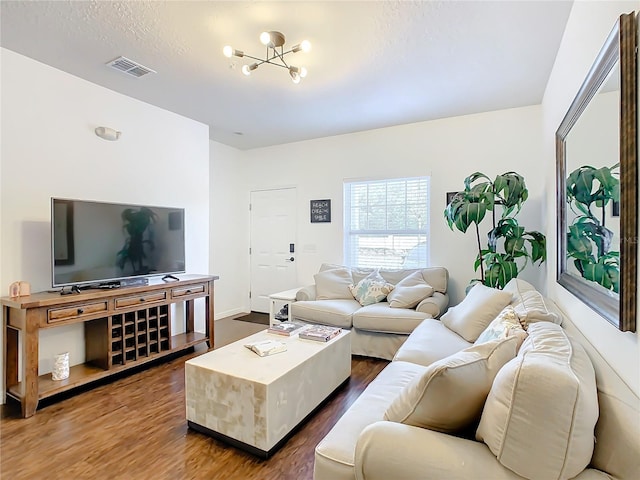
(509, 247)
(589, 241)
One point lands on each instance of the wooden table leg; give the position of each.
(209, 318)
(10, 352)
(188, 305)
(30, 366)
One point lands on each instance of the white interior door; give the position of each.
(273, 244)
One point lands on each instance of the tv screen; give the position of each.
(99, 242)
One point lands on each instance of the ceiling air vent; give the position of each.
(123, 64)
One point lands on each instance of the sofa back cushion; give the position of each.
(333, 284)
(471, 316)
(617, 449)
(437, 277)
(450, 394)
(409, 291)
(530, 305)
(540, 415)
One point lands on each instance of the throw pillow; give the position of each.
(506, 324)
(540, 415)
(471, 316)
(333, 284)
(371, 289)
(409, 291)
(451, 392)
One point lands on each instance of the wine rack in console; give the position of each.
(123, 328)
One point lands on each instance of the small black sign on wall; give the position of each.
(320, 211)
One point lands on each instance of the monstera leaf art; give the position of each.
(589, 241)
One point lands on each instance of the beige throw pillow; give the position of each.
(371, 289)
(451, 392)
(540, 415)
(471, 316)
(506, 324)
(409, 291)
(333, 284)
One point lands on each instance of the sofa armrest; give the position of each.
(435, 305)
(393, 450)
(306, 293)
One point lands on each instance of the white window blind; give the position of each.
(387, 223)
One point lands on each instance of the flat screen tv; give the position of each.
(103, 243)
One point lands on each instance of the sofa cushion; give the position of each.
(540, 415)
(409, 291)
(530, 305)
(336, 451)
(437, 277)
(380, 318)
(329, 312)
(506, 324)
(371, 289)
(471, 316)
(333, 284)
(450, 394)
(429, 342)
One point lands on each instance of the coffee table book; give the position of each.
(320, 333)
(287, 328)
(266, 347)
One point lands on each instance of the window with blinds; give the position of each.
(387, 223)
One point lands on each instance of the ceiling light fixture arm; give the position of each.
(273, 40)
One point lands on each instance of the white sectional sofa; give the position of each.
(445, 408)
(377, 329)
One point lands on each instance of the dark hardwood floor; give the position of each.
(135, 428)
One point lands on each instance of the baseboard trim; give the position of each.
(230, 313)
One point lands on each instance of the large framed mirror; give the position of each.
(596, 153)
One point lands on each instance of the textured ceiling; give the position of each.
(372, 64)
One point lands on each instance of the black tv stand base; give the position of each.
(170, 277)
(72, 289)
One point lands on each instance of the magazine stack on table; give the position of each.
(320, 333)
(287, 328)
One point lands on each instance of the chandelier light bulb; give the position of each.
(227, 51)
(265, 38)
(246, 70)
(295, 75)
(305, 46)
(303, 72)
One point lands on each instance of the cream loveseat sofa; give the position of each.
(447, 409)
(377, 329)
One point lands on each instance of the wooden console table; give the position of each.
(123, 328)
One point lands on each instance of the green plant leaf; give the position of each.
(511, 188)
(500, 272)
(507, 241)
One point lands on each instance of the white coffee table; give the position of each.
(255, 402)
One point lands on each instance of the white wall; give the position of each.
(448, 150)
(229, 230)
(587, 28)
(49, 149)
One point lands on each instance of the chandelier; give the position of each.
(274, 41)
